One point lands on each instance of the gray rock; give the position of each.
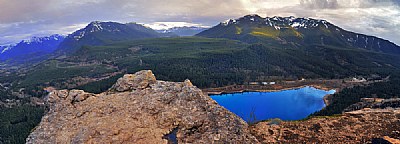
(140, 80)
(139, 109)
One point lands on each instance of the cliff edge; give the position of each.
(361, 126)
(139, 109)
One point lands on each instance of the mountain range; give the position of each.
(95, 33)
(34, 49)
(277, 31)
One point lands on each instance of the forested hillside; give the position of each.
(349, 96)
(207, 63)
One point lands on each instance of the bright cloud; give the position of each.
(167, 25)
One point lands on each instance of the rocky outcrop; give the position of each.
(139, 109)
(129, 82)
(362, 126)
(375, 103)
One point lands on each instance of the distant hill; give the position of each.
(183, 31)
(34, 49)
(99, 33)
(296, 32)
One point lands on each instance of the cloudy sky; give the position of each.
(21, 19)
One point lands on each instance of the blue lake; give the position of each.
(292, 104)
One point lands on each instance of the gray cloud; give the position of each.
(379, 18)
(44, 17)
(320, 4)
(16, 11)
(374, 3)
(339, 4)
(21, 19)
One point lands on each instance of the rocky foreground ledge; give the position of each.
(139, 109)
(361, 126)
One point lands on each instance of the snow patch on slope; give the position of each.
(6, 48)
(279, 22)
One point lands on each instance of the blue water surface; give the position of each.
(293, 104)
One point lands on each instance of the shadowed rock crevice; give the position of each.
(139, 109)
(171, 137)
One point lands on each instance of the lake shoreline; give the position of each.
(302, 101)
(266, 90)
(325, 98)
(322, 84)
(336, 84)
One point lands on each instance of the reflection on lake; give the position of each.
(292, 104)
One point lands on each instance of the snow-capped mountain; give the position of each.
(5, 48)
(280, 22)
(183, 31)
(98, 33)
(296, 31)
(132, 30)
(34, 48)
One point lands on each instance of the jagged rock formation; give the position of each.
(362, 126)
(139, 109)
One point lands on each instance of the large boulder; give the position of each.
(139, 109)
(140, 80)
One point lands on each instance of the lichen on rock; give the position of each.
(139, 109)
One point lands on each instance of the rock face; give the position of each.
(129, 82)
(139, 109)
(374, 103)
(362, 126)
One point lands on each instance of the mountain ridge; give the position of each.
(296, 31)
(99, 33)
(32, 49)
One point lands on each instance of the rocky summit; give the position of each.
(139, 109)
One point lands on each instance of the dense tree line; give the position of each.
(16, 123)
(99, 86)
(349, 96)
(207, 63)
